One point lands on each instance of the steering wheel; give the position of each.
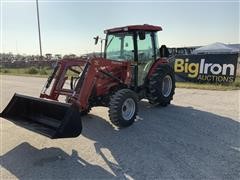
(128, 56)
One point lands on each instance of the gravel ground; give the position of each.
(197, 137)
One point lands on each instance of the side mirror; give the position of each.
(141, 35)
(96, 39)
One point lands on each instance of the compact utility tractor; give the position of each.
(131, 68)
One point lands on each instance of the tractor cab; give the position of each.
(137, 44)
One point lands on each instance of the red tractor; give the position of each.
(132, 68)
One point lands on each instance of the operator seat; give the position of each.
(164, 51)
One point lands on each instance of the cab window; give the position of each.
(145, 49)
(119, 47)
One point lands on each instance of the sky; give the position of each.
(69, 26)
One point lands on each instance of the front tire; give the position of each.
(123, 108)
(161, 85)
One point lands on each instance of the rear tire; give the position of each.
(161, 86)
(123, 108)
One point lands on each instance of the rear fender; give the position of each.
(156, 64)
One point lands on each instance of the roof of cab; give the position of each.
(145, 27)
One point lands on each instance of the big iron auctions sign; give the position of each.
(220, 68)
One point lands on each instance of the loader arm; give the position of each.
(58, 78)
(79, 95)
(84, 86)
(89, 78)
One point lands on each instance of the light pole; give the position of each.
(39, 31)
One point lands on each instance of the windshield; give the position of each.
(119, 46)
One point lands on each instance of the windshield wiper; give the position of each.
(110, 41)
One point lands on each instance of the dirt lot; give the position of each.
(197, 137)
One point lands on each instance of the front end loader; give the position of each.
(49, 118)
(132, 68)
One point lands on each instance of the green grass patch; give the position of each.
(43, 72)
(32, 71)
(207, 86)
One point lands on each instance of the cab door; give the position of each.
(146, 55)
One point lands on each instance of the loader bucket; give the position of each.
(49, 118)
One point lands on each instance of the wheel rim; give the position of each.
(128, 109)
(166, 85)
